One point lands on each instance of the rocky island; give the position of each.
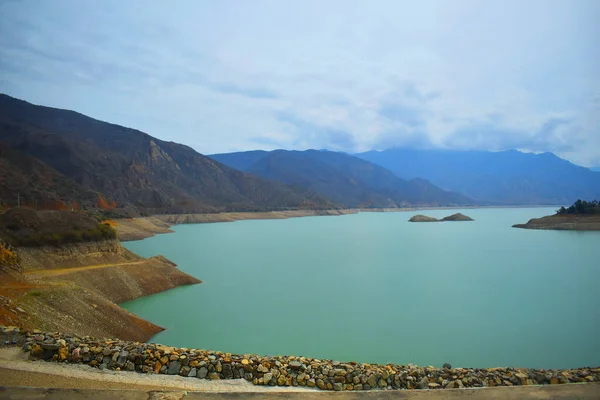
(423, 218)
(453, 217)
(457, 217)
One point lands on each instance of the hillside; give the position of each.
(507, 177)
(74, 158)
(75, 285)
(345, 179)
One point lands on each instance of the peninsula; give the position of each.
(581, 216)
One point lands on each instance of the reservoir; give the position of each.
(372, 287)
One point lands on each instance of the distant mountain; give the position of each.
(343, 178)
(48, 154)
(507, 177)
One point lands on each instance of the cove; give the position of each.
(372, 287)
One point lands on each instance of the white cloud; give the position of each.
(223, 76)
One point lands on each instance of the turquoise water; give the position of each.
(373, 287)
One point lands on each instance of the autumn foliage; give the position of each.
(110, 222)
(103, 204)
(7, 255)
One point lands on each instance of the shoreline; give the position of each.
(557, 222)
(130, 229)
(284, 372)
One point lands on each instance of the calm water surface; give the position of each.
(373, 287)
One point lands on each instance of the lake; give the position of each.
(372, 287)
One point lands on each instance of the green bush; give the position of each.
(100, 232)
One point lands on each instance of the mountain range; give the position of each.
(343, 178)
(506, 177)
(51, 156)
(59, 158)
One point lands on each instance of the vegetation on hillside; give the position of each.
(8, 256)
(581, 207)
(21, 226)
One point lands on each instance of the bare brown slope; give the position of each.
(72, 282)
(78, 295)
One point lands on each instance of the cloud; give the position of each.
(224, 76)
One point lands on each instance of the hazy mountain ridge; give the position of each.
(126, 165)
(507, 177)
(345, 179)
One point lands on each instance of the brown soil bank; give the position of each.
(141, 228)
(572, 222)
(75, 286)
(76, 289)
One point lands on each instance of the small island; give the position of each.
(423, 218)
(453, 217)
(457, 217)
(581, 216)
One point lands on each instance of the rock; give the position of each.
(267, 378)
(38, 352)
(321, 384)
(372, 380)
(433, 385)
(174, 368)
(122, 358)
(214, 376)
(338, 387)
(295, 364)
(75, 355)
(358, 387)
(261, 368)
(219, 366)
(63, 353)
(422, 218)
(447, 366)
(202, 372)
(227, 371)
(423, 384)
(50, 346)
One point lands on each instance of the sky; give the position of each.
(351, 76)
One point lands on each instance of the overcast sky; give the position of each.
(223, 76)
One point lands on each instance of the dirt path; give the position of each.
(64, 271)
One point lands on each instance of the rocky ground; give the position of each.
(287, 371)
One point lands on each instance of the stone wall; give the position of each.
(275, 371)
